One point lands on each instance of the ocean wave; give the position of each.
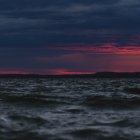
(36, 99)
(112, 101)
(69, 109)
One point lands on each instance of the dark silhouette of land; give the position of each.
(96, 75)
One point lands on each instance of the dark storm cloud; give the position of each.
(64, 14)
(29, 28)
(54, 21)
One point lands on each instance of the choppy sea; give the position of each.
(69, 109)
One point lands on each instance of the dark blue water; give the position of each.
(69, 109)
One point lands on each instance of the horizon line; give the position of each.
(39, 74)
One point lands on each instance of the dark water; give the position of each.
(69, 109)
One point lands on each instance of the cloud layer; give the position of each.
(32, 29)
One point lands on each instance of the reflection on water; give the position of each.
(69, 109)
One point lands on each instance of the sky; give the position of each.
(69, 36)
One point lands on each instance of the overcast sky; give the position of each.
(69, 36)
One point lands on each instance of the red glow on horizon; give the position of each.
(13, 72)
(107, 48)
(66, 72)
(83, 59)
(92, 62)
(46, 72)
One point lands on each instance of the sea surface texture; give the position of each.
(69, 109)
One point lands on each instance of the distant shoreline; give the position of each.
(96, 75)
